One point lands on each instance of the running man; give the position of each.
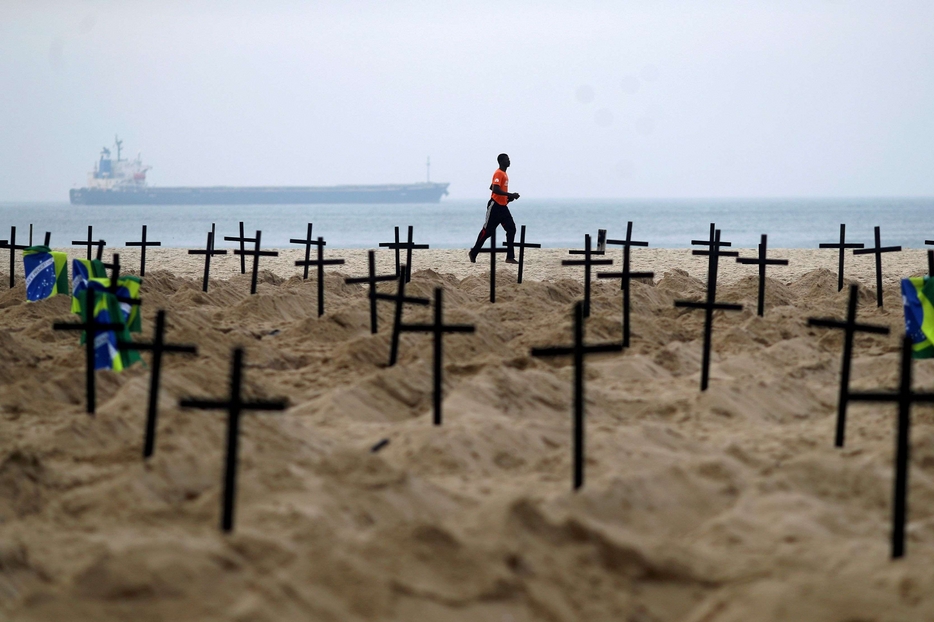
(497, 213)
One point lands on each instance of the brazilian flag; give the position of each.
(46, 272)
(81, 271)
(918, 298)
(107, 309)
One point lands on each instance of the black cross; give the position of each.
(256, 253)
(142, 251)
(711, 304)
(930, 258)
(243, 240)
(48, 238)
(522, 245)
(91, 242)
(842, 245)
(235, 406)
(113, 282)
(158, 346)
(578, 350)
(409, 246)
(492, 250)
(588, 261)
(762, 262)
(208, 252)
(13, 246)
(850, 327)
(400, 299)
(625, 277)
(320, 262)
(372, 279)
(904, 397)
(91, 328)
(308, 242)
(877, 251)
(438, 328)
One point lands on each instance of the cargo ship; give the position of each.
(123, 182)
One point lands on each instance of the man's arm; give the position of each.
(512, 196)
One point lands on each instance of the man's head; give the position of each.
(503, 160)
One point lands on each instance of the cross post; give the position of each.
(235, 407)
(13, 246)
(849, 327)
(400, 299)
(372, 279)
(578, 350)
(91, 328)
(242, 240)
(256, 253)
(208, 252)
(930, 257)
(842, 246)
(877, 251)
(588, 261)
(762, 262)
(522, 244)
(711, 304)
(438, 329)
(409, 246)
(90, 242)
(904, 397)
(158, 347)
(492, 250)
(625, 277)
(320, 262)
(308, 242)
(142, 251)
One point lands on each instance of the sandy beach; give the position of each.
(730, 505)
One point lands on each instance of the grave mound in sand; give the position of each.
(730, 505)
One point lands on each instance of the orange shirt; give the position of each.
(501, 179)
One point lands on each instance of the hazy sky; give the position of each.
(595, 99)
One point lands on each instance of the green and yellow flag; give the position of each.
(918, 298)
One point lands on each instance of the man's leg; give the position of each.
(489, 223)
(510, 226)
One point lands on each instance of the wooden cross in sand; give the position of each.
(521, 245)
(762, 262)
(409, 246)
(256, 253)
(930, 257)
(113, 283)
(92, 328)
(711, 304)
(242, 240)
(438, 329)
(158, 347)
(400, 299)
(13, 246)
(625, 277)
(849, 327)
(371, 279)
(308, 242)
(320, 262)
(877, 251)
(588, 261)
(492, 251)
(235, 407)
(90, 242)
(904, 397)
(842, 246)
(208, 252)
(142, 251)
(578, 350)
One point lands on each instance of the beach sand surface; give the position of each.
(729, 505)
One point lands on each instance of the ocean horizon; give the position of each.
(555, 223)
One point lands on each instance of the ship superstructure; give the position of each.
(123, 182)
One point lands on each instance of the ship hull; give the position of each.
(223, 195)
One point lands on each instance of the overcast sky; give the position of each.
(594, 99)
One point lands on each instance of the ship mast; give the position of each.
(119, 144)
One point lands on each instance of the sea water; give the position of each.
(789, 223)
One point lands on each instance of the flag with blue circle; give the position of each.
(918, 299)
(46, 272)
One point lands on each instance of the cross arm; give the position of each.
(862, 328)
(232, 238)
(623, 275)
(166, 347)
(690, 304)
(709, 243)
(768, 262)
(878, 249)
(365, 279)
(312, 242)
(205, 252)
(553, 351)
(204, 404)
(142, 244)
(523, 244)
(584, 262)
(627, 243)
(237, 251)
(719, 252)
(323, 262)
(576, 251)
(829, 245)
